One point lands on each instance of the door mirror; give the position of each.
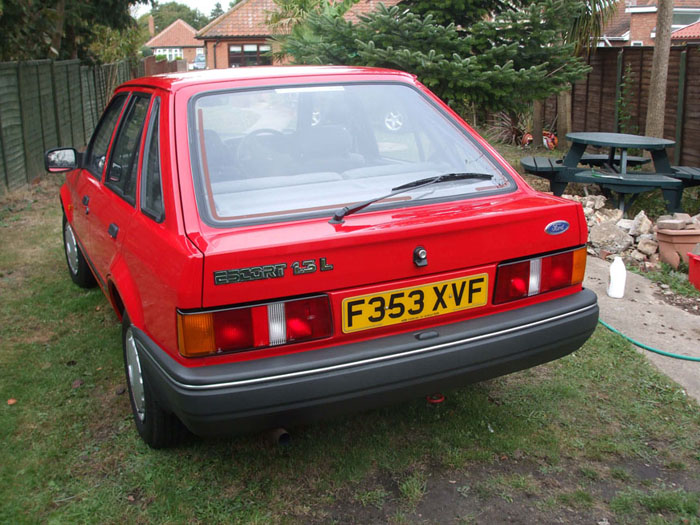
(61, 159)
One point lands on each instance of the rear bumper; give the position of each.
(285, 390)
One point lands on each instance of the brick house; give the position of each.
(634, 22)
(177, 41)
(240, 37)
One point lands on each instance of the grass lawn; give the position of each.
(598, 435)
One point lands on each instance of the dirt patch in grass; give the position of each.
(508, 491)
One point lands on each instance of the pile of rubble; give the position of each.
(633, 239)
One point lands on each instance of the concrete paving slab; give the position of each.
(649, 320)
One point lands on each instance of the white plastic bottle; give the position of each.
(618, 278)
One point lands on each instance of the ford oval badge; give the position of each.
(556, 227)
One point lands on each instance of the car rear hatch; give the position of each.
(379, 254)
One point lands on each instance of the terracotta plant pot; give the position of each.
(674, 245)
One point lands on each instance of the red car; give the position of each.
(287, 243)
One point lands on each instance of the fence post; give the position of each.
(680, 109)
(618, 91)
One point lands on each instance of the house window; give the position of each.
(637, 43)
(684, 18)
(248, 55)
(171, 53)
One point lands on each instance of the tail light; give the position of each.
(539, 274)
(251, 327)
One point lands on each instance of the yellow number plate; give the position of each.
(417, 302)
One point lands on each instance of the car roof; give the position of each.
(176, 81)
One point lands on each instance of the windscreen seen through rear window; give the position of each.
(281, 153)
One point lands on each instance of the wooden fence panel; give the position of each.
(3, 171)
(87, 102)
(63, 113)
(11, 122)
(75, 103)
(100, 89)
(579, 101)
(48, 103)
(30, 110)
(691, 117)
(602, 96)
(608, 88)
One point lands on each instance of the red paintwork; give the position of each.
(157, 268)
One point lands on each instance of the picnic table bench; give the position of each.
(615, 181)
(538, 165)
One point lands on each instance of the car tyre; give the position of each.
(78, 267)
(156, 426)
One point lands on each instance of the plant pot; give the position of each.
(674, 245)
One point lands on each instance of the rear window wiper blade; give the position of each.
(420, 183)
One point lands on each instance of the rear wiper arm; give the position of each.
(420, 183)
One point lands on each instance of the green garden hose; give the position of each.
(642, 345)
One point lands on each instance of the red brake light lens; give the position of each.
(512, 281)
(308, 319)
(233, 329)
(556, 271)
(253, 327)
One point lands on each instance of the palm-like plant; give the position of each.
(585, 31)
(587, 28)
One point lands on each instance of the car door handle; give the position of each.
(113, 230)
(86, 200)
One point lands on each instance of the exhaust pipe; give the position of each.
(279, 437)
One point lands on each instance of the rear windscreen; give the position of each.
(285, 153)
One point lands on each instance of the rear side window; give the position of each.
(95, 158)
(151, 187)
(123, 163)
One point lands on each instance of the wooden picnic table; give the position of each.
(623, 142)
(614, 177)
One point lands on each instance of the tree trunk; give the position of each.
(656, 107)
(537, 118)
(563, 120)
(55, 48)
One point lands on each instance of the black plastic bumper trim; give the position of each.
(144, 341)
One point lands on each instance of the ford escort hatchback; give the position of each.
(283, 244)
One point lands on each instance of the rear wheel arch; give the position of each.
(123, 294)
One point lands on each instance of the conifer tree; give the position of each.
(499, 64)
